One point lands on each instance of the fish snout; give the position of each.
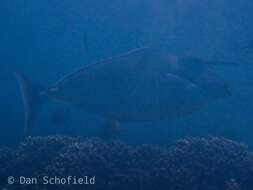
(227, 90)
(224, 90)
(219, 90)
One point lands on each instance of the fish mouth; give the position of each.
(227, 90)
(224, 92)
(221, 91)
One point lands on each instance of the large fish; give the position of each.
(141, 85)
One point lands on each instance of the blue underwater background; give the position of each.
(51, 38)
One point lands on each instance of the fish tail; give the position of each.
(33, 97)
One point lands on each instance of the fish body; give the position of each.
(141, 85)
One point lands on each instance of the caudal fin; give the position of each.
(32, 100)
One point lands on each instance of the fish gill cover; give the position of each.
(188, 164)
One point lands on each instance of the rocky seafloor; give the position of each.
(188, 164)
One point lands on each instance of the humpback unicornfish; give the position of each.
(141, 85)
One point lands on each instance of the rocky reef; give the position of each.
(188, 164)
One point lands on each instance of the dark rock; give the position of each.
(189, 164)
